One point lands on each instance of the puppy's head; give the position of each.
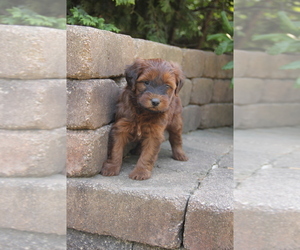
(154, 82)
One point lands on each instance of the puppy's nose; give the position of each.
(155, 102)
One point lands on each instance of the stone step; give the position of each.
(174, 208)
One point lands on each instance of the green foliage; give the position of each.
(24, 16)
(79, 17)
(288, 42)
(225, 41)
(183, 23)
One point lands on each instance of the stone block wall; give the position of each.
(32, 137)
(96, 61)
(264, 95)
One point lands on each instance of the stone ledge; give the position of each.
(150, 212)
(27, 53)
(264, 115)
(86, 151)
(91, 103)
(41, 204)
(94, 53)
(32, 104)
(32, 153)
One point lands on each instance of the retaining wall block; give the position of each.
(222, 92)
(209, 218)
(193, 62)
(211, 66)
(216, 115)
(191, 118)
(32, 104)
(240, 61)
(86, 151)
(94, 53)
(202, 90)
(91, 104)
(222, 60)
(34, 204)
(32, 152)
(148, 49)
(265, 115)
(27, 53)
(248, 90)
(185, 92)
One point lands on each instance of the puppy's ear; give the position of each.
(178, 76)
(133, 71)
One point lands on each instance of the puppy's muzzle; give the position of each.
(155, 102)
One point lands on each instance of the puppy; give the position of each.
(147, 107)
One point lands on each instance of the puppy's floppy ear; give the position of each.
(178, 76)
(133, 71)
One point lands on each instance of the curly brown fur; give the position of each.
(147, 107)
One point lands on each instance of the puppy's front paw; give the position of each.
(110, 169)
(140, 174)
(180, 156)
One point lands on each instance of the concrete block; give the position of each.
(202, 91)
(34, 204)
(280, 91)
(32, 152)
(216, 115)
(258, 65)
(86, 151)
(240, 61)
(248, 90)
(91, 104)
(185, 92)
(209, 218)
(222, 60)
(222, 92)
(267, 211)
(211, 65)
(148, 49)
(191, 118)
(129, 213)
(29, 52)
(94, 53)
(193, 62)
(278, 61)
(15, 239)
(266, 115)
(32, 104)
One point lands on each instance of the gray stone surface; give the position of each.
(222, 60)
(267, 204)
(152, 211)
(202, 90)
(86, 151)
(222, 92)
(148, 49)
(34, 204)
(185, 92)
(247, 90)
(191, 118)
(91, 103)
(20, 240)
(193, 62)
(32, 152)
(32, 104)
(216, 115)
(264, 115)
(94, 53)
(211, 65)
(209, 220)
(27, 53)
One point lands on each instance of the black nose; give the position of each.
(155, 102)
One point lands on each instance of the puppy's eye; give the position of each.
(168, 87)
(146, 82)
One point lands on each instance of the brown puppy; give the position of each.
(148, 106)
